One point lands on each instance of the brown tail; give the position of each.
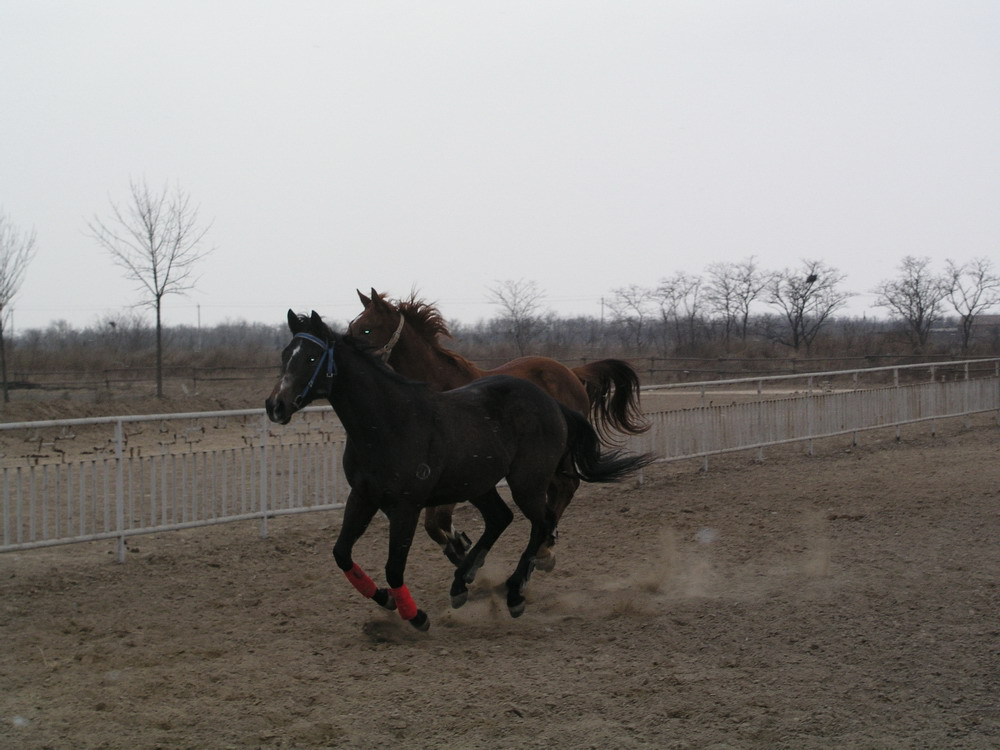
(613, 389)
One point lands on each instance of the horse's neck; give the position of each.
(370, 402)
(417, 359)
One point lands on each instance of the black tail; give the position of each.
(591, 464)
(613, 389)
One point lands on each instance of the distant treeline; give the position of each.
(129, 342)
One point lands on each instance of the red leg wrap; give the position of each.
(360, 580)
(404, 602)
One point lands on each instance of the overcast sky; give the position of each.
(585, 146)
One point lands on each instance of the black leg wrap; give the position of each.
(459, 593)
(420, 621)
(384, 599)
(515, 596)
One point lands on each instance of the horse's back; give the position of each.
(553, 377)
(517, 406)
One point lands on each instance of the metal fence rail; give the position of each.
(844, 402)
(71, 481)
(162, 472)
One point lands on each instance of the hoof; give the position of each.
(384, 599)
(457, 600)
(516, 610)
(421, 621)
(545, 564)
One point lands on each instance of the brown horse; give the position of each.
(407, 334)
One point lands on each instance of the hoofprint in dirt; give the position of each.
(848, 599)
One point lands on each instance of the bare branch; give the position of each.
(156, 237)
(914, 297)
(17, 249)
(972, 288)
(807, 297)
(519, 301)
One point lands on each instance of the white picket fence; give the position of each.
(77, 480)
(845, 402)
(66, 481)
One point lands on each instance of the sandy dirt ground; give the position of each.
(847, 599)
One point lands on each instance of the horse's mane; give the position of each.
(426, 320)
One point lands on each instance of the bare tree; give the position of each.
(157, 239)
(915, 297)
(520, 305)
(972, 288)
(17, 248)
(806, 297)
(732, 290)
(680, 300)
(631, 306)
(721, 296)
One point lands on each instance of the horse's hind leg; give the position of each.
(543, 525)
(561, 489)
(439, 527)
(358, 513)
(496, 518)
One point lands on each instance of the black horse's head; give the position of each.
(307, 367)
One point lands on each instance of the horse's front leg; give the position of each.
(402, 525)
(358, 513)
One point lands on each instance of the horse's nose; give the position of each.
(274, 408)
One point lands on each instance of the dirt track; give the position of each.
(849, 599)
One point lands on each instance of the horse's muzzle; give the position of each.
(278, 411)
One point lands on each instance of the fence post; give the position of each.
(996, 375)
(967, 421)
(934, 395)
(809, 416)
(120, 490)
(760, 419)
(704, 429)
(854, 381)
(264, 476)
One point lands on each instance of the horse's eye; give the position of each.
(312, 360)
(367, 331)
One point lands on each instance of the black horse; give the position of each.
(409, 447)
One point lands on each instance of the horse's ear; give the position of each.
(316, 320)
(364, 300)
(379, 299)
(293, 321)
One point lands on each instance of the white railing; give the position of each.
(77, 480)
(772, 410)
(65, 481)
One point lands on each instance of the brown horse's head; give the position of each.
(378, 325)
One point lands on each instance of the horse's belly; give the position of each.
(469, 481)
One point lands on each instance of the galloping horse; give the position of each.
(408, 336)
(410, 447)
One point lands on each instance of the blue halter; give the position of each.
(331, 368)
